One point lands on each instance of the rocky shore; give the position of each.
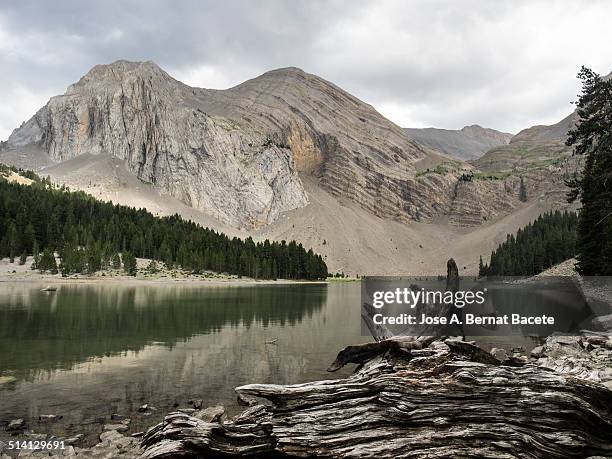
(16, 272)
(114, 441)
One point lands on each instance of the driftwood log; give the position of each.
(422, 397)
(451, 399)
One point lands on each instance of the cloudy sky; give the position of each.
(502, 64)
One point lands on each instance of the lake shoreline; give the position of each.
(187, 280)
(100, 348)
(23, 273)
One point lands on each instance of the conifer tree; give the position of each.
(116, 261)
(12, 241)
(129, 264)
(482, 270)
(592, 137)
(549, 240)
(152, 267)
(29, 238)
(36, 255)
(47, 262)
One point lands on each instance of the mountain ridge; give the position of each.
(239, 153)
(469, 142)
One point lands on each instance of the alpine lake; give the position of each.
(89, 350)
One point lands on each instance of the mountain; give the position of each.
(240, 154)
(286, 155)
(554, 133)
(233, 154)
(470, 142)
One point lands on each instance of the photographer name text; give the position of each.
(468, 319)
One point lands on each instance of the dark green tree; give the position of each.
(35, 250)
(129, 264)
(152, 267)
(93, 255)
(116, 261)
(12, 241)
(73, 260)
(29, 238)
(47, 262)
(592, 137)
(482, 268)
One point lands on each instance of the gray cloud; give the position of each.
(506, 65)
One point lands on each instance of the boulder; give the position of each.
(116, 427)
(16, 425)
(500, 354)
(537, 352)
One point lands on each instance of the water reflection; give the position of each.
(87, 351)
(40, 330)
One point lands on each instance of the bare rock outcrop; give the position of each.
(472, 203)
(138, 113)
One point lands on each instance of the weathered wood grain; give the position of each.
(452, 400)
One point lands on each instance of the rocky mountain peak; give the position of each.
(126, 77)
(119, 71)
(469, 142)
(479, 132)
(123, 66)
(295, 88)
(285, 71)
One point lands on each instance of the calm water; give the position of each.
(87, 351)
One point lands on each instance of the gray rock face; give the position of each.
(539, 158)
(470, 142)
(138, 113)
(240, 154)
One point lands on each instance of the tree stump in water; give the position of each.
(425, 400)
(452, 276)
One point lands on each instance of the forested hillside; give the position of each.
(547, 241)
(90, 235)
